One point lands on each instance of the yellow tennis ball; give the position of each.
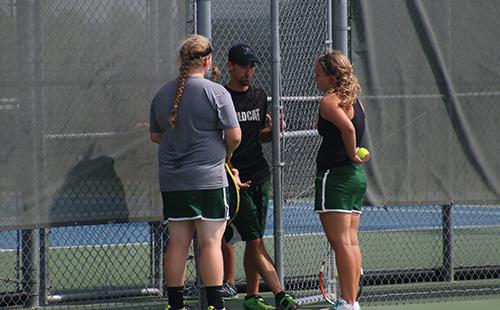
(362, 152)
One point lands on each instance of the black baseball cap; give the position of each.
(242, 54)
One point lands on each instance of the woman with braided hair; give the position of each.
(340, 180)
(194, 122)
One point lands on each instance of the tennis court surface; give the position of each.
(236, 304)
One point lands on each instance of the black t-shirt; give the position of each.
(332, 152)
(248, 158)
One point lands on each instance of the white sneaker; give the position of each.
(341, 304)
(357, 306)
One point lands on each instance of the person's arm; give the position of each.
(154, 128)
(155, 137)
(266, 134)
(236, 175)
(233, 139)
(331, 111)
(367, 157)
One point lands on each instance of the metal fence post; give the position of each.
(202, 294)
(204, 18)
(30, 266)
(44, 279)
(165, 237)
(204, 28)
(28, 48)
(448, 264)
(329, 27)
(277, 162)
(156, 254)
(340, 26)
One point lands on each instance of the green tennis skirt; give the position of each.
(209, 204)
(340, 189)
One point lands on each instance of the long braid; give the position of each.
(172, 117)
(192, 50)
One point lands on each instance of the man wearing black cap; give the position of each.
(251, 107)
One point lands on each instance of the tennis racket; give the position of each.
(361, 284)
(329, 282)
(234, 195)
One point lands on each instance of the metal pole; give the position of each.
(30, 266)
(165, 237)
(202, 293)
(40, 175)
(340, 28)
(195, 17)
(156, 232)
(277, 162)
(329, 27)
(204, 18)
(44, 279)
(204, 28)
(448, 264)
(27, 55)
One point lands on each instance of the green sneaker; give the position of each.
(288, 303)
(256, 303)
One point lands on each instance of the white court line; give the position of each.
(86, 246)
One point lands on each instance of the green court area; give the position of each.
(392, 250)
(492, 302)
(488, 303)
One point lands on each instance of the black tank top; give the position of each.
(332, 152)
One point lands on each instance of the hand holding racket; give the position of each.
(234, 193)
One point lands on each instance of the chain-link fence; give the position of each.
(85, 264)
(77, 78)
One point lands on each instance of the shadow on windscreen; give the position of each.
(92, 192)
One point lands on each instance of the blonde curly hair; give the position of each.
(346, 85)
(192, 51)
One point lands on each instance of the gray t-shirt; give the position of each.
(192, 154)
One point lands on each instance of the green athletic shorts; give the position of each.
(340, 189)
(250, 222)
(210, 205)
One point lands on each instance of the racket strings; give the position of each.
(329, 281)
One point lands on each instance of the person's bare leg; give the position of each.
(260, 263)
(355, 219)
(174, 263)
(209, 235)
(337, 228)
(251, 274)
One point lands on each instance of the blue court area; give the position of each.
(298, 218)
